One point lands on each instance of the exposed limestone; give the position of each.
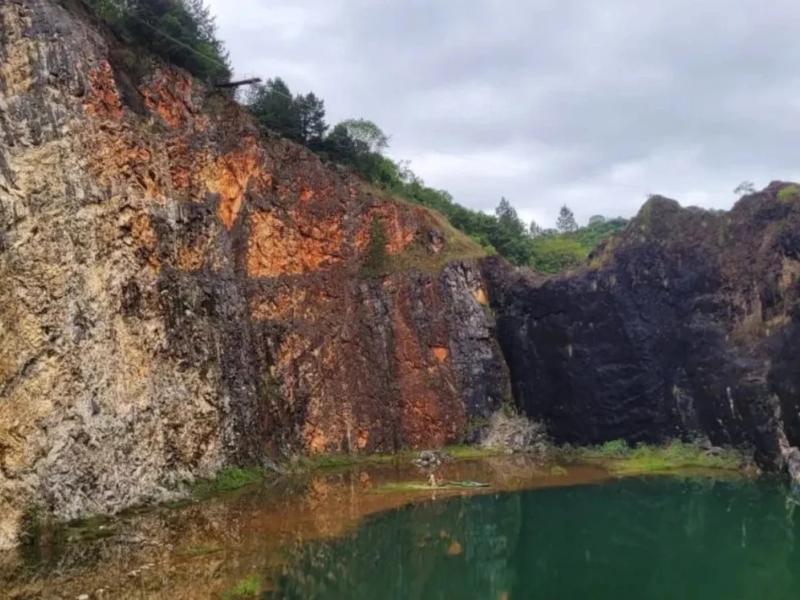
(179, 294)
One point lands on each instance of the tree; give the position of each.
(566, 220)
(596, 220)
(182, 32)
(746, 187)
(368, 133)
(274, 108)
(311, 113)
(534, 230)
(339, 146)
(509, 234)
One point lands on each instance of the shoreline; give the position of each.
(208, 545)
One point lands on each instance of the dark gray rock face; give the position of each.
(687, 325)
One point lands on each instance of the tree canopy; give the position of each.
(182, 32)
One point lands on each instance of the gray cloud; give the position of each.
(595, 104)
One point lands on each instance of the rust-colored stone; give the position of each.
(188, 294)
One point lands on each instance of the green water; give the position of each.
(635, 538)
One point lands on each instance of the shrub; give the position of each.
(789, 193)
(375, 260)
(179, 31)
(249, 587)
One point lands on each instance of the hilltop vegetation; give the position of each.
(360, 144)
(183, 32)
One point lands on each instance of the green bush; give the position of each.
(789, 193)
(249, 587)
(227, 480)
(179, 31)
(614, 448)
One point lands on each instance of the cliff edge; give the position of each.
(180, 293)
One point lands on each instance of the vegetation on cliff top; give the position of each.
(183, 32)
(360, 144)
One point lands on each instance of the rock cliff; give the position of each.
(180, 294)
(686, 325)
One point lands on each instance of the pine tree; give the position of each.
(312, 119)
(566, 220)
(273, 106)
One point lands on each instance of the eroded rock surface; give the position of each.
(179, 294)
(687, 325)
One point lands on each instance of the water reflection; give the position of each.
(637, 538)
(205, 550)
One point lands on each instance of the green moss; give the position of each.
(227, 480)
(347, 461)
(375, 257)
(89, 529)
(471, 452)
(399, 487)
(344, 461)
(789, 193)
(620, 458)
(249, 587)
(557, 471)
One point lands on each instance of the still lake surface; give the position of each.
(655, 537)
(575, 532)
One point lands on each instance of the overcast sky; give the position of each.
(592, 103)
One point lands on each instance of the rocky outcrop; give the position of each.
(179, 294)
(686, 325)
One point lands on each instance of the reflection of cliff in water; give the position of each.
(414, 551)
(654, 538)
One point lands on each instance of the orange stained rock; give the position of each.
(432, 413)
(143, 233)
(440, 353)
(401, 231)
(481, 297)
(191, 257)
(230, 175)
(286, 303)
(362, 438)
(102, 99)
(170, 96)
(306, 194)
(289, 246)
